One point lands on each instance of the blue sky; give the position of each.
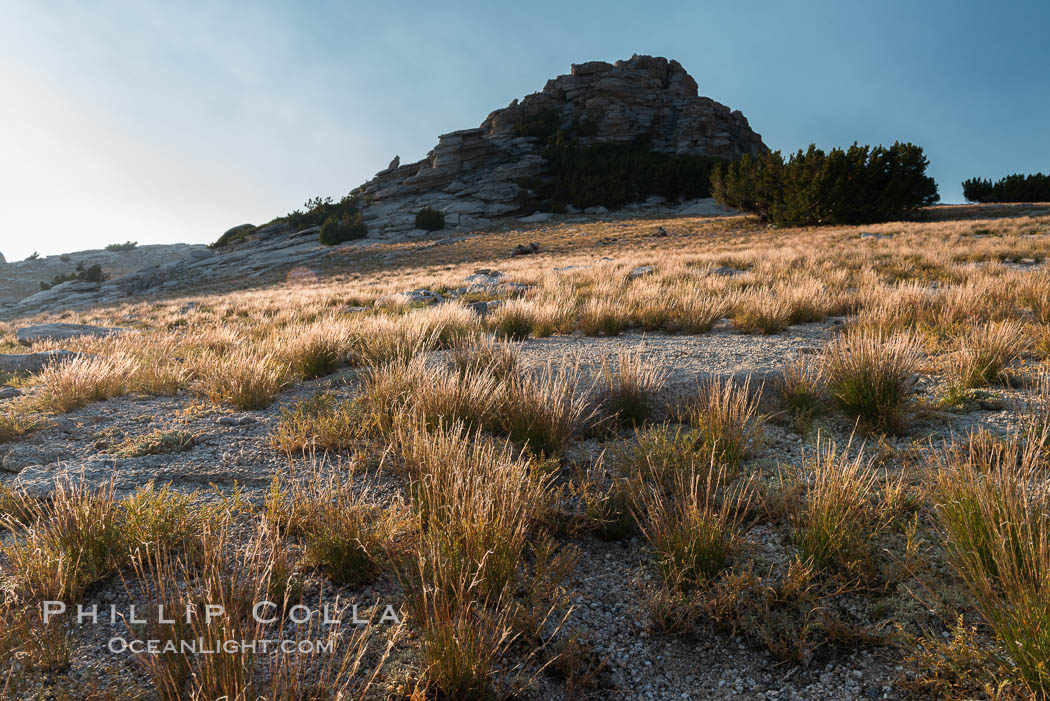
(164, 122)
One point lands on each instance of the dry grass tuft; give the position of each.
(801, 388)
(726, 416)
(836, 514)
(602, 316)
(543, 409)
(245, 378)
(315, 350)
(995, 526)
(983, 351)
(74, 540)
(73, 383)
(692, 526)
(319, 423)
(17, 419)
(872, 376)
(347, 532)
(629, 387)
(763, 312)
(485, 353)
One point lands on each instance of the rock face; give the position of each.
(20, 280)
(472, 175)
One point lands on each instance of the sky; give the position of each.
(171, 122)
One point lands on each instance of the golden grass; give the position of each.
(994, 520)
(244, 378)
(472, 537)
(73, 383)
(692, 526)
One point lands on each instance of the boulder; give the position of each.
(410, 298)
(18, 457)
(28, 335)
(40, 480)
(537, 217)
(61, 291)
(641, 271)
(33, 362)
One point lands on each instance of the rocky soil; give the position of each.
(625, 657)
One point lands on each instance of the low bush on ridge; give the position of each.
(1012, 188)
(858, 185)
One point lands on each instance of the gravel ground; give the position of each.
(607, 589)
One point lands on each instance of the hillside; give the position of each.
(21, 279)
(620, 369)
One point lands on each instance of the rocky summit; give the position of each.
(474, 175)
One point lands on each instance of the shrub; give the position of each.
(858, 185)
(337, 230)
(119, 247)
(430, 219)
(234, 235)
(608, 174)
(871, 376)
(93, 273)
(319, 209)
(1012, 188)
